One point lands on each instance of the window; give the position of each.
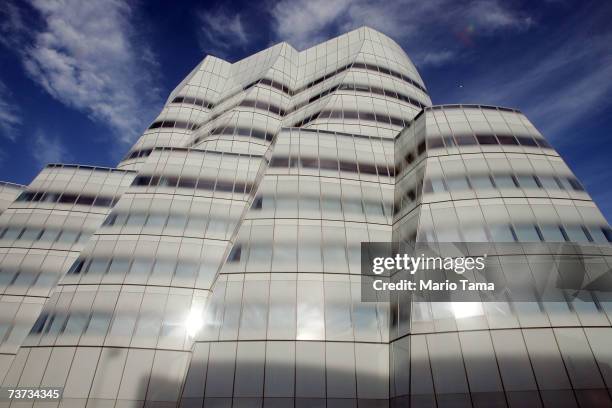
(507, 140)
(30, 234)
(457, 184)
(76, 267)
(527, 233)
(482, 182)
(575, 184)
(119, 266)
(98, 266)
(12, 233)
(505, 181)
(527, 182)
(438, 185)
(549, 182)
(578, 234)
(234, 255)
(156, 220)
(552, 233)
(486, 139)
(465, 140)
(141, 267)
(69, 237)
(49, 235)
(527, 141)
(501, 233)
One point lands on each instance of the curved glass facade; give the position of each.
(219, 264)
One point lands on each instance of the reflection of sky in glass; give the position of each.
(194, 321)
(310, 323)
(462, 310)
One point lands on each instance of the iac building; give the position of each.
(218, 264)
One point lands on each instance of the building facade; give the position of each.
(218, 265)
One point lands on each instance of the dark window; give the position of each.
(39, 324)
(435, 143)
(328, 164)
(235, 253)
(206, 184)
(240, 188)
(465, 140)
(110, 220)
(309, 162)
(409, 157)
(527, 141)
(367, 168)
(607, 233)
(141, 181)
(587, 233)
(68, 198)
(85, 200)
(394, 121)
(25, 196)
(348, 166)
(187, 182)
(76, 267)
(575, 184)
(382, 170)
(421, 148)
(257, 203)
(507, 140)
(224, 186)
(168, 181)
(279, 162)
(351, 115)
(486, 139)
(367, 116)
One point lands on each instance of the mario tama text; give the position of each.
(489, 272)
(405, 264)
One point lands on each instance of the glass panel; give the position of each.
(576, 234)
(481, 182)
(457, 184)
(552, 233)
(527, 233)
(504, 181)
(527, 182)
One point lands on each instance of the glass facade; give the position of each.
(219, 264)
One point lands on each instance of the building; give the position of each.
(218, 264)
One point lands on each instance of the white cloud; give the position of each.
(303, 23)
(47, 149)
(423, 27)
(556, 85)
(87, 55)
(493, 16)
(10, 115)
(437, 58)
(11, 24)
(220, 31)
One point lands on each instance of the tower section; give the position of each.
(122, 324)
(473, 173)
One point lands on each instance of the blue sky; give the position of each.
(80, 80)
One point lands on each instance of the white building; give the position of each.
(218, 265)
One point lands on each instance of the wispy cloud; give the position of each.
(423, 27)
(556, 83)
(303, 23)
(220, 31)
(12, 25)
(48, 149)
(88, 55)
(10, 115)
